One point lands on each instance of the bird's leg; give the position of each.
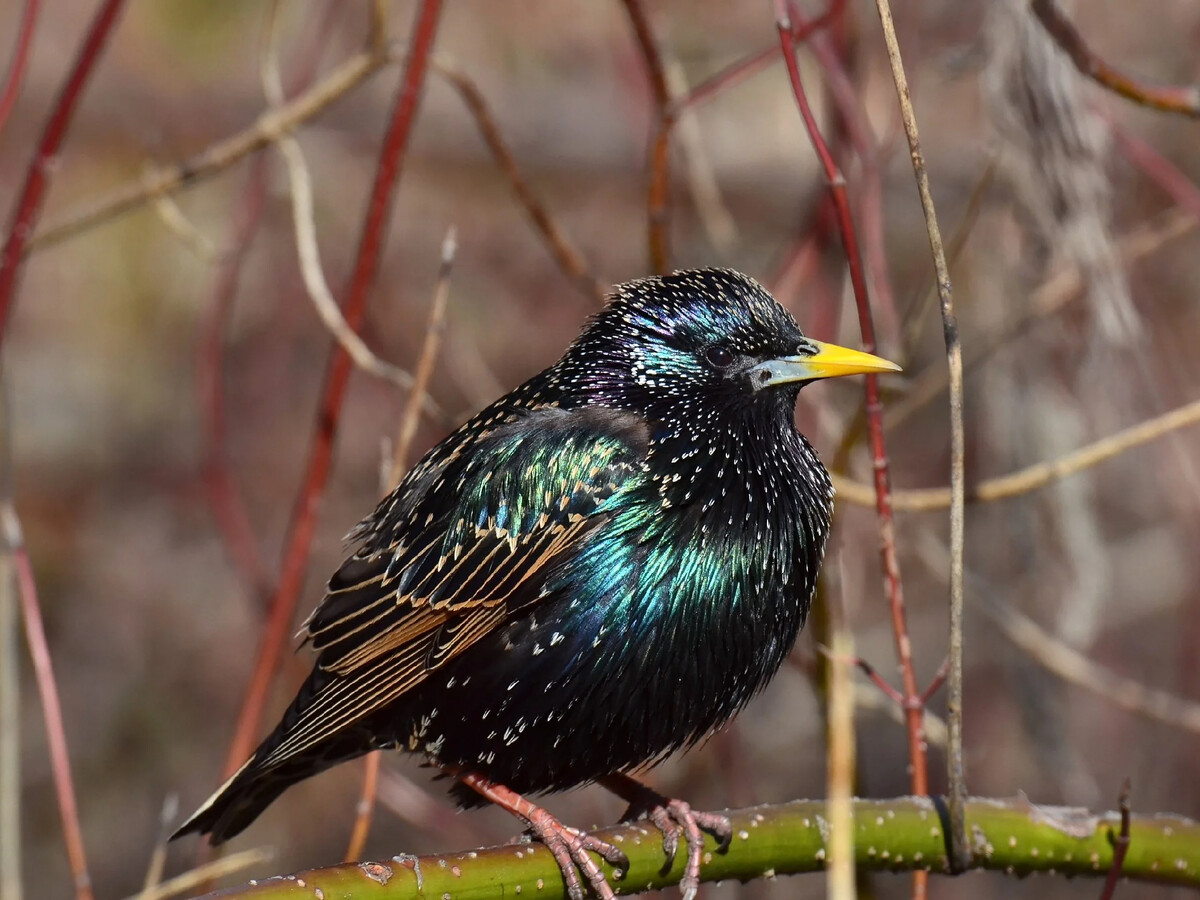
(673, 818)
(569, 845)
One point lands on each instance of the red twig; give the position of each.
(914, 713)
(60, 759)
(37, 177)
(939, 678)
(287, 591)
(1120, 846)
(866, 147)
(223, 495)
(16, 68)
(1183, 100)
(1157, 168)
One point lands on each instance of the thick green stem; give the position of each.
(903, 834)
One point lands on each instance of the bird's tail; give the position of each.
(268, 773)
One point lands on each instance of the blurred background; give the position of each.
(1077, 276)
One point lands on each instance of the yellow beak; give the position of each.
(828, 361)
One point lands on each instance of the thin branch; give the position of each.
(784, 839)
(1183, 100)
(891, 565)
(265, 130)
(158, 856)
(299, 539)
(194, 878)
(1054, 294)
(177, 223)
(1072, 666)
(658, 194)
(60, 759)
(1037, 476)
(17, 63)
(1120, 845)
(429, 351)
(10, 692)
(391, 478)
(309, 253)
(37, 176)
(569, 259)
(841, 763)
(364, 813)
(956, 767)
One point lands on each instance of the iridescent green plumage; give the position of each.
(597, 570)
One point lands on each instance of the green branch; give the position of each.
(907, 833)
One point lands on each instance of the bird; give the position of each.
(594, 572)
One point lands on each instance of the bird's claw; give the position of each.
(675, 819)
(570, 848)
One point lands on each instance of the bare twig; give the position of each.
(60, 759)
(956, 768)
(37, 176)
(841, 755)
(158, 857)
(1183, 100)
(189, 235)
(658, 194)
(364, 813)
(1120, 845)
(391, 478)
(1038, 475)
(1072, 666)
(1066, 286)
(16, 66)
(299, 540)
(429, 352)
(883, 507)
(265, 130)
(189, 881)
(569, 259)
(10, 691)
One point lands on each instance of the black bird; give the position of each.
(599, 569)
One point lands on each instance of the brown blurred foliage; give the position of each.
(153, 628)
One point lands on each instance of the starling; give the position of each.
(597, 570)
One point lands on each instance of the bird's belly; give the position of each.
(569, 694)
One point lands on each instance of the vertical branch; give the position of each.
(60, 759)
(16, 67)
(391, 479)
(956, 774)
(37, 177)
(840, 884)
(287, 591)
(658, 193)
(914, 711)
(424, 371)
(10, 699)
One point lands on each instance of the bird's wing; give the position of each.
(444, 566)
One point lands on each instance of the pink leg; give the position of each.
(569, 845)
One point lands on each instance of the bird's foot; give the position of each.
(674, 818)
(570, 846)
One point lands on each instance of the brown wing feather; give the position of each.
(430, 583)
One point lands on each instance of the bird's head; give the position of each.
(699, 341)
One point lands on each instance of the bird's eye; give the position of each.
(718, 356)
